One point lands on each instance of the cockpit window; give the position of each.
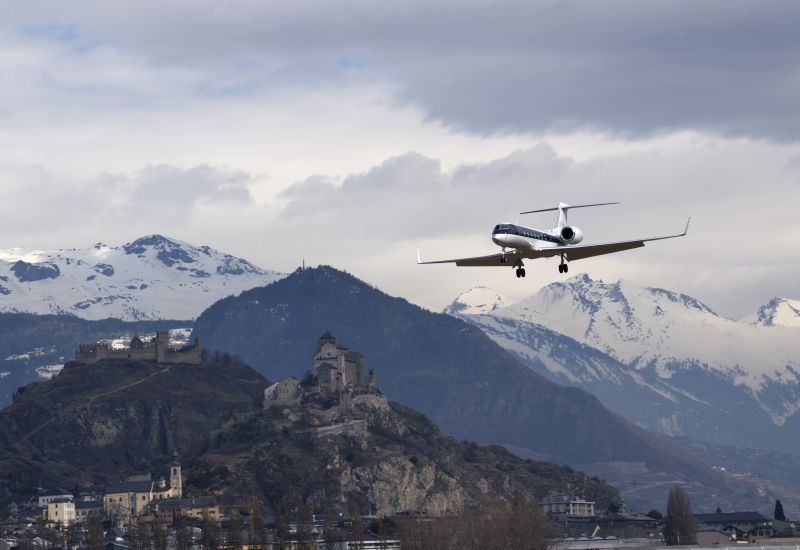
(503, 228)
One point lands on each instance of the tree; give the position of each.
(355, 535)
(281, 534)
(655, 514)
(305, 527)
(680, 527)
(159, 536)
(779, 515)
(257, 535)
(330, 533)
(183, 533)
(94, 532)
(234, 529)
(209, 532)
(719, 510)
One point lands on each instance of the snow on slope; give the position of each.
(781, 312)
(652, 327)
(477, 300)
(152, 277)
(673, 341)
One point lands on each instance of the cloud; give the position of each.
(168, 185)
(621, 66)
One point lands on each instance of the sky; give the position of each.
(351, 133)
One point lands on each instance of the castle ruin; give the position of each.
(157, 350)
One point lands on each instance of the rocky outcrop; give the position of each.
(381, 455)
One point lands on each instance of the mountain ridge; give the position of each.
(664, 346)
(151, 278)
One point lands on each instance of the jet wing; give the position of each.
(579, 252)
(478, 261)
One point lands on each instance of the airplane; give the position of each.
(562, 240)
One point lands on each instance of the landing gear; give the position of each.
(520, 272)
(563, 267)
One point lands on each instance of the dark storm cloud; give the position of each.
(627, 67)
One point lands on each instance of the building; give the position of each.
(133, 496)
(564, 505)
(48, 495)
(737, 525)
(60, 510)
(337, 367)
(195, 508)
(285, 392)
(86, 508)
(157, 350)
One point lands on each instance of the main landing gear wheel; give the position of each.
(563, 268)
(520, 272)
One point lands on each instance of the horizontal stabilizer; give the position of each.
(566, 207)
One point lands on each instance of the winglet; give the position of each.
(686, 230)
(419, 258)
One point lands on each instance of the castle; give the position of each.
(156, 350)
(337, 370)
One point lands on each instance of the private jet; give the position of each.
(520, 243)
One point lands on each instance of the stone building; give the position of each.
(285, 392)
(157, 349)
(337, 367)
(337, 370)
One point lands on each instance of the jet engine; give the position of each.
(571, 234)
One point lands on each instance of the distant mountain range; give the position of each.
(662, 359)
(151, 278)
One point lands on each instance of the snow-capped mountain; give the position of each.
(662, 359)
(152, 277)
(777, 312)
(478, 299)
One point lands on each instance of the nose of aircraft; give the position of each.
(499, 239)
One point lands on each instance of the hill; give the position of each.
(95, 423)
(34, 347)
(441, 366)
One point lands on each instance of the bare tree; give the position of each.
(234, 529)
(330, 533)
(305, 527)
(257, 534)
(183, 532)
(209, 532)
(159, 536)
(680, 525)
(95, 538)
(355, 535)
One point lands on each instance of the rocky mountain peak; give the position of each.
(777, 312)
(477, 300)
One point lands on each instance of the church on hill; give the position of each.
(337, 367)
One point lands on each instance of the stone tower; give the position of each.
(175, 481)
(162, 346)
